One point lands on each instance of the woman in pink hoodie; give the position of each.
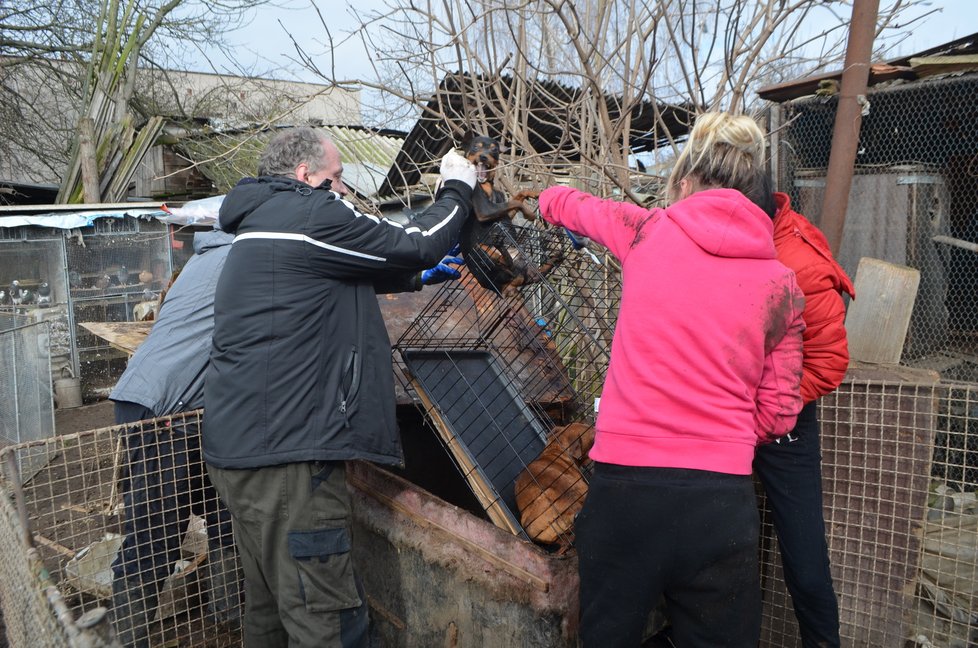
(705, 365)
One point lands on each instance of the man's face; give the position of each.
(330, 168)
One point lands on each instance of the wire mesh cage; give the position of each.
(115, 271)
(180, 586)
(913, 202)
(509, 362)
(33, 285)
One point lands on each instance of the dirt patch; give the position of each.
(87, 417)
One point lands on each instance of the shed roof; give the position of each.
(549, 131)
(904, 67)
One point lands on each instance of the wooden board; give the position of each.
(879, 317)
(124, 336)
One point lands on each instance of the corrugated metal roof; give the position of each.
(357, 144)
(367, 154)
(897, 68)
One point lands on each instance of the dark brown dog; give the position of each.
(486, 240)
(551, 491)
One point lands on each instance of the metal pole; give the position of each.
(848, 118)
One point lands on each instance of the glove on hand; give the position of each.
(456, 167)
(441, 272)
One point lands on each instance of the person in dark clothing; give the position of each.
(791, 469)
(166, 482)
(301, 377)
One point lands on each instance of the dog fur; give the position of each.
(485, 238)
(551, 491)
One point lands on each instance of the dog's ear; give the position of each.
(467, 139)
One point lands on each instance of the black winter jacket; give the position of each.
(300, 367)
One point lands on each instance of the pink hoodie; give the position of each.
(707, 354)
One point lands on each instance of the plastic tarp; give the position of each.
(194, 212)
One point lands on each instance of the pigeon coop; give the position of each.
(510, 378)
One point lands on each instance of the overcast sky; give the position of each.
(267, 49)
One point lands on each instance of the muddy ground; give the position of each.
(87, 417)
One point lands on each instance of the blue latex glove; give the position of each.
(442, 272)
(577, 244)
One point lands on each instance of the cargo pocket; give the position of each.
(326, 581)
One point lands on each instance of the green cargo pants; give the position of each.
(292, 529)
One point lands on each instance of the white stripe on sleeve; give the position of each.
(302, 238)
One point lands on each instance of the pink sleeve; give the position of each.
(611, 223)
(778, 399)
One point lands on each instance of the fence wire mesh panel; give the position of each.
(29, 617)
(913, 202)
(900, 509)
(26, 401)
(177, 581)
(508, 363)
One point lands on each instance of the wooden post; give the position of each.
(848, 120)
(89, 165)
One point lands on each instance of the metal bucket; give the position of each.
(67, 391)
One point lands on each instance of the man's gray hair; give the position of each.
(289, 149)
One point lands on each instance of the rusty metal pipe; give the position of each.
(848, 119)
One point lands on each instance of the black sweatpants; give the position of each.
(791, 473)
(688, 535)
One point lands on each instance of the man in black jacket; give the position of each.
(301, 378)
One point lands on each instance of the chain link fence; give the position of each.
(914, 201)
(900, 460)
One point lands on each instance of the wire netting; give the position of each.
(509, 363)
(913, 202)
(26, 400)
(180, 591)
(116, 270)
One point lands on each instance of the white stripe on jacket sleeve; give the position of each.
(287, 236)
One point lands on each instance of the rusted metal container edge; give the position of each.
(435, 574)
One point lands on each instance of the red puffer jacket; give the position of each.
(804, 249)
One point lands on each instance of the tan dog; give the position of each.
(550, 492)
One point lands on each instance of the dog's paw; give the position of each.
(527, 193)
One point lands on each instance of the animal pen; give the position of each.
(67, 269)
(497, 377)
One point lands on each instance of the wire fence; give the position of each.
(900, 467)
(913, 202)
(75, 514)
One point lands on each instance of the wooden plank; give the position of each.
(482, 489)
(879, 317)
(931, 65)
(124, 336)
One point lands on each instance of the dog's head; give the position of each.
(484, 153)
(575, 439)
